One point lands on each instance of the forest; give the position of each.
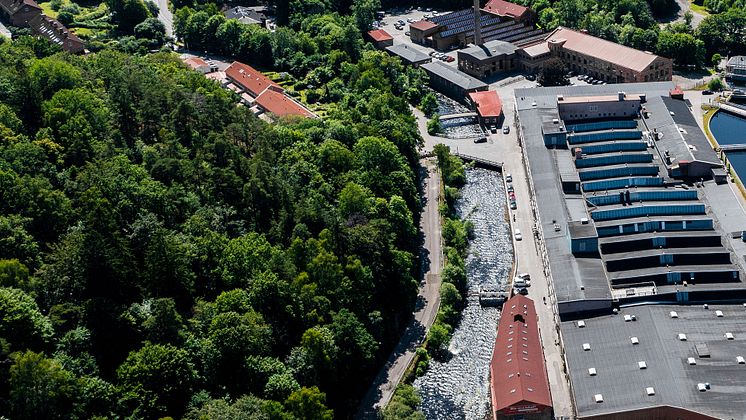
(163, 252)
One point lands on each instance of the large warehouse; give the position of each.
(630, 215)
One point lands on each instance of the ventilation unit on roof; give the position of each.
(598, 398)
(701, 387)
(650, 391)
(581, 324)
(583, 220)
(740, 360)
(586, 347)
(560, 97)
(719, 314)
(634, 340)
(642, 365)
(682, 337)
(705, 306)
(692, 361)
(592, 371)
(673, 314)
(729, 336)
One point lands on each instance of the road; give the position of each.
(165, 16)
(428, 301)
(505, 148)
(4, 31)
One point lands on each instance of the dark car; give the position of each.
(523, 291)
(480, 140)
(707, 92)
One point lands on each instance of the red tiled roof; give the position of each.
(249, 78)
(519, 382)
(602, 49)
(379, 35)
(275, 102)
(422, 25)
(488, 103)
(56, 33)
(505, 8)
(676, 91)
(196, 62)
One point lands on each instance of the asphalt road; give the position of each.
(165, 16)
(428, 301)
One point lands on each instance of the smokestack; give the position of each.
(477, 24)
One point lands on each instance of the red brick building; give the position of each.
(488, 106)
(518, 376)
(380, 38)
(19, 12)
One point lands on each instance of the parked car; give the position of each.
(410, 20)
(524, 276)
(400, 22)
(508, 178)
(518, 236)
(407, 33)
(480, 140)
(506, 129)
(513, 205)
(432, 53)
(510, 188)
(531, 77)
(707, 92)
(522, 291)
(519, 282)
(450, 59)
(493, 129)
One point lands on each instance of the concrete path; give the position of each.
(426, 309)
(165, 16)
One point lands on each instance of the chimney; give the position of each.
(477, 24)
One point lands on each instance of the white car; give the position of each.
(519, 282)
(508, 178)
(518, 235)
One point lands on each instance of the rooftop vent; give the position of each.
(555, 121)
(729, 336)
(673, 314)
(701, 387)
(642, 365)
(682, 337)
(592, 371)
(581, 324)
(705, 306)
(740, 360)
(560, 97)
(586, 347)
(583, 220)
(650, 391)
(692, 361)
(719, 314)
(628, 318)
(621, 95)
(634, 340)
(598, 398)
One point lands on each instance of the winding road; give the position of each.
(165, 16)
(428, 300)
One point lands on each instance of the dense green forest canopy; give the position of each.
(166, 253)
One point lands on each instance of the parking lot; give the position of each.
(401, 36)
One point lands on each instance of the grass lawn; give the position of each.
(46, 7)
(696, 8)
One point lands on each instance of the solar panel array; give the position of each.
(465, 25)
(442, 18)
(525, 41)
(601, 125)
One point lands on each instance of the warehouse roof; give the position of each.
(457, 77)
(379, 35)
(407, 53)
(281, 105)
(517, 369)
(249, 78)
(622, 382)
(489, 49)
(422, 25)
(505, 8)
(608, 51)
(488, 103)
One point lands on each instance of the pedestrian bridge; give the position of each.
(733, 147)
(479, 161)
(457, 116)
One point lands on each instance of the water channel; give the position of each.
(459, 128)
(458, 388)
(731, 129)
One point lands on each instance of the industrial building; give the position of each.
(380, 38)
(596, 57)
(735, 69)
(452, 82)
(633, 227)
(461, 28)
(488, 106)
(490, 58)
(519, 385)
(409, 55)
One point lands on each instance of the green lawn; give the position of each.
(46, 7)
(696, 8)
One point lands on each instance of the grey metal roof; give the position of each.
(489, 50)
(661, 251)
(679, 133)
(408, 54)
(622, 383)
(739, 61)
(453, 75)
(582, 230)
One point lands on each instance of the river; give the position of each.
(458, 388)
(731, 129)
